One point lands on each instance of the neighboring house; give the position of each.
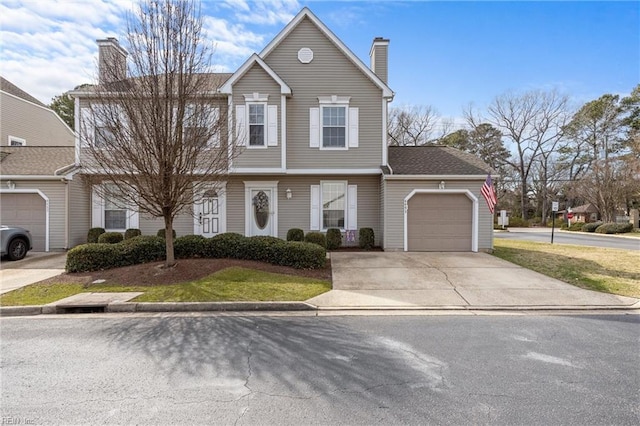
(585, 213)
(317, 157)
(37, 167)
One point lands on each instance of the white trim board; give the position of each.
(260, 184)
(227, 87)
(474, 220)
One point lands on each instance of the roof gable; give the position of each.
(254, 60)
(12, 89)
(306, 13)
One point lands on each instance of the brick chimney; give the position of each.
(380, 58)
(112, 61)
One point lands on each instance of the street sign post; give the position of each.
(554, 210)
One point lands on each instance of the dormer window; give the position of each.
(16, 141)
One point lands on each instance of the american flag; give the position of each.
(489, 193)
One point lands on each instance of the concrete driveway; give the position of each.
(37, 266)
(396, 280)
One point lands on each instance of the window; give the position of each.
(103, 136)
(333, 204)
(115, 217)
(334, 127)
(16, 141)
(110, 212)
(333, 124)
(256, 124)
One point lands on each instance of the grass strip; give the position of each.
(233, 284)
(601, 269)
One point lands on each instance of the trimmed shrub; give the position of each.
(299, 255)
(161, 232)
(132, 232)
(334, 238)
(142, 249)
(229, 244)
(261, 248)
(189, 246)
(518, 222)
(590, 227)
(94, 257)
(366, 238)
(295, 234)
(316, 238)
(576, 226)
(94, 233)
(614, 228)
(110, 238)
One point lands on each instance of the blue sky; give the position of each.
(445, 54)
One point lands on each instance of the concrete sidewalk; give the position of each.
(377, 282)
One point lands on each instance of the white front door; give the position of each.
(209, 214)
(261, 208)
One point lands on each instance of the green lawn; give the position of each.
(231, 284)
(601, 269)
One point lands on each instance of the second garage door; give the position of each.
(26, 211)
(439, 222)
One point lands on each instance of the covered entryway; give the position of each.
(27, 211)
(440, 221)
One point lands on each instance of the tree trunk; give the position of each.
(168, 238)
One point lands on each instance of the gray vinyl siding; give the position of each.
(256, 80)
(382, 200)
(382, 63)
(37, 125)
(296, 212)
(182, 224)
(330, 73)
(396, 191)
(79, 211)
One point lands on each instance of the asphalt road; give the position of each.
(594, 240)
(205, 369)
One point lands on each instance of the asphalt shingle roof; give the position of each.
(35, 160)
(12, 89)
(434, 160)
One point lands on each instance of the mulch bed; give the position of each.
(184, 270)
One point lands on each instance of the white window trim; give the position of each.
(21, 141)
(334, 101)
(264, 125)
(346, 204)
(98, 211)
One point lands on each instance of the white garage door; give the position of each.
(27, 211)
(439, 222)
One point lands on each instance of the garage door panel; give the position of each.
(439, 222)
(26, 211)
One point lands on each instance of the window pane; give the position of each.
(334, 127)
(115, 219)
(333, 205)
(256, 114)
(256, 135)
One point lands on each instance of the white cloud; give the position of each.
(48, 46)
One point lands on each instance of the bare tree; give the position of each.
(412, 125)
(159, 135)
(530, 122)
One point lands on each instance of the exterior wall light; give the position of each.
(289, 193)
(441, 185)
(11, 184)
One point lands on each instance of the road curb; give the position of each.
(168, 307)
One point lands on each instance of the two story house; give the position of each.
(38, 163)
(310, 126)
